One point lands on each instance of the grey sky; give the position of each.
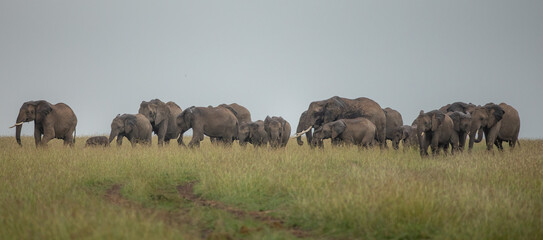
(274, 57)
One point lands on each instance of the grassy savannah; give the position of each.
(335, 193)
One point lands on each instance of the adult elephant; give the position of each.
(51, 121)
(510, 127)
(304, 127)
(278, 130)
(335, 108)
(162, 117)
(435, 129)
(241, 112)
(485, 120)
(394, 122)
(216, 122)
(135, 127)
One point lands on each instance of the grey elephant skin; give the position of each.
(215, 122)
(510, 127)
(97, 141)
(242, 114)
(435, 129)
(357, 131)
(51, 121)
(135, 127)
(162, 117)
(394, 122)
(458, 107)
(409, 136)
(253, 133)
(335, 108)
(278, 131)
(303, 124)
(462, 124)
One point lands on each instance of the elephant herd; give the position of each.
(359, 121)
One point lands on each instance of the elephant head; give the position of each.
(428, 122)
(304, 126)
(329, 130)
(274, 129)
(185, 119)
(244, 133)
(462, 121)
(31, 111)
(122, 124)
(484, 117)
(155, 111)
(397, 135)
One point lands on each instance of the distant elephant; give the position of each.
(394, 122)
(409, 136)
(97, 141)
(357, 131)
(304, 127)
(462, 124)
(335, 108)
(162, 117)
(278, 131)
(215, 122)
(458, 107)
(252, 132)
(485, 120)
(51, 121)
(510, 127)
(135, 127)
(241, 112)
(435, 129)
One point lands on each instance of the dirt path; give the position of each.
(187, 192)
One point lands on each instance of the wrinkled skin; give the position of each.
(357, 131)
(485, 120)
(510, 127)
(97, 141)
(252, 132)
(51, 121)
(458, 107)
(394, 122)
(462, 124)
(162, 117)
(435, 129)
(215, 122)
(335, 108)
(304, 124)
(135, 127)
(278, 131)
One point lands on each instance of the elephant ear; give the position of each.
(162, 113)
(437, 119)
(455, 116)
(129, 123)
(338, 128)
(43, 109)
(498, 113)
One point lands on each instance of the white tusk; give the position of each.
(16, 124)
(302, 132)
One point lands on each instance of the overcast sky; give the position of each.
(274, 57)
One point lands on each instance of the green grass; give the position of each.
(58, 192)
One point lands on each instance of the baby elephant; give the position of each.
(97, 141)
(358, 131)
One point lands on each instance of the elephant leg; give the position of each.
(37, 136)
(462, 142)
(132, 142)
(119, 140)
(197, 136)
(48, 135)
(162, 134)
(491, 137)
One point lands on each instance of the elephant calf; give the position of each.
(252, 132)
(278, 131)
(435, 129)
(135, 127)
(97, 141)
(358, 131)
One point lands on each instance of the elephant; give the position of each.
(278, 131)
(435, 128)
(458, 107)
(304, 126)
(462, 124)
(215, 122)
(394, 122)
(135, 127)
(241, 112)
(510, 127)
(162, 117)
(335, 108)
(51, 121)
(252, 132)
(97, 141)
(485, 120)
(409, 136)
(358, 131)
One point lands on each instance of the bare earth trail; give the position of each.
(180, 217)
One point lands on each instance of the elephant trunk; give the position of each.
(299, 141)
(18, 128)
(479, 135)
(112, 135)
